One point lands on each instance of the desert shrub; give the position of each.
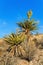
(38, 43)
(30, 50)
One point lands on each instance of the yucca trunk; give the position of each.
(27, 32)
(13, 51)
(16, 53)
(21, 51)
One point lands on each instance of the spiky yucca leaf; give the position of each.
(29, 25)
(14, 39)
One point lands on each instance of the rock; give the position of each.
(31, 51)
(38, 58)
(13, 61)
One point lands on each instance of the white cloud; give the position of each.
(4, 23)
(41, 26)
(38, 21)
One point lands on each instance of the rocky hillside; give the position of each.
(3, 47)
(33, 54)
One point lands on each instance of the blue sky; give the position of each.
(12, 11)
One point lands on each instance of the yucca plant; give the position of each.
(28, 25)
(14, 40)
